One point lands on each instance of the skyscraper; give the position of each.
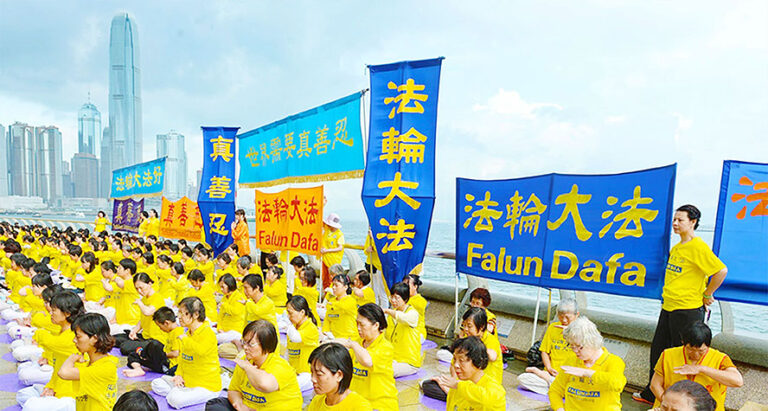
(124, 142)
(23, 164)
(171, 145)
(84, 175)
(89, 130)
(49, 158)
(4, 190)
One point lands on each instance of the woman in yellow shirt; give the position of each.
(303, 337)
(372, 354)
(180, 286)
(361, 288)
(341, 312)
(101, 222)
(197, 378)
(66, 306)
(307, 288)
(260, 307)
(231, 310)
(154, 224)
(275, 287)
(592, 379)
(144, 225)
(127, 313)
(403, 332)
(203, 290)
(418, 302)
(468, 387)
(331, 377)
(91, 273)
(263, 380)
(163, 272)
(146, 329)
(95, 380)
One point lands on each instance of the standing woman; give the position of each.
(144, 225)
(373, 355)
(154, 224)
(331, 376)
(342, 310)
(692, 276)
(240, 233)
(303, 337)
(101, 222)
(197, 378)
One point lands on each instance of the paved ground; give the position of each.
(409, 394)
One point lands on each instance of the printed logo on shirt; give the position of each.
(674, 268)
(186, 357)
(333, 316)
(581, 393)
(359, 372)
(294, 353)
(253, 397)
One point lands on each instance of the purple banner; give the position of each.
(126, 215)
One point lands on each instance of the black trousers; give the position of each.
(667, 335)
(148, 353)
(219, 404)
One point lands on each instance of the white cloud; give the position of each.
(743, 27)
(510, 102)
(683, 124)
(615, 119)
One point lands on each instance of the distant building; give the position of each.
(5, 148)
(194, 188)
(35, 162)
(105, 166)
(49, 158)
(89, 130)
(66, 180)
(172, 146)
(85, 175)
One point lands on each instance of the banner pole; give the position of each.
(549, 307)
(536, 317)
(456, 305)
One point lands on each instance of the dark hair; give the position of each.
(234, 248)
(129, 265)
(174, 248)
(204, 252)
(277, 270)
(310, 276)
(148, 257)
(143, 277)
(482, 294)
(403, 290)
(364, 277)
(254, 281)
(264, 332)
(299, 303)
(187, 251)
(18, 258)
(42, 267)
(92, 261)
(94, 324)
(693, 213)
(164, 258)
(415, 279)
(696, 335)
(49, 292)
(335, 358)
(241, 212)
(42, 280)
(700, 396)
(344, 280)
(178, 268)
(135, 400)
(194, 307)
(224, 257)
(374, 314)
(101, 213)
(478, 317)
(75, 250)
(69, 303)
(196, 275)
(298, 261)
(164, 314)
(145, 214)
(272, 258)
(108, 265)
(27, 263)
(474, 349)
(229, 281)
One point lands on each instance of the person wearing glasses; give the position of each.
(197, 377)
(264, 379)
(592, 379)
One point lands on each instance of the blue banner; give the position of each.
(126, 215)
(603, 233)
(399, 182)
(216, 198)
(321, 144)
(139, 180)
(741, 232)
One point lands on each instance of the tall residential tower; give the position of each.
(171, 145)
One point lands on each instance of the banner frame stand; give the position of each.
(536, 316)
(456, 305)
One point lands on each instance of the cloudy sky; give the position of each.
(526, 88)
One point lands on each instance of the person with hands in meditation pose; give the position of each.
(468, 387)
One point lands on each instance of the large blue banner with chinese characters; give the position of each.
(399, 182)
(603, 233)
(741, 232)
(139, 180)
(216, 198)
(321, 144)
(126, 215)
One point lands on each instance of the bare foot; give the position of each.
(531, 369)
(133, 372)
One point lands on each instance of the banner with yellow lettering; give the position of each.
(603, 233)
(181, 219)
(291, 219)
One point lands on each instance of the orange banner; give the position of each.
(181, 219)
(291, 219)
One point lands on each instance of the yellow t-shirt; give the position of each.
(101, 224)
(555, 345)
(149, 327)
(199, 359)
(311, 295)
(164, 282)
(207, 268)
(298, 353)
(174, 344)
(180, 288)
(189, 265)
(97, 388)
(262, 310)
(205, 294)
(495, 369)
(126, 310)
(407, 340)
(601, 392)
(672, 358)
(94, 289)
(487, 394)
(232, 312)
(287, 396)
(277, 293)
(368, 296)
(341, 317)
(333, 239)
(689, 267)
(376, 384)
(42, 320)
(58, 347)
(372, 258)
(420, 304)
(353, 401)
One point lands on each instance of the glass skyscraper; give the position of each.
(89, 130)
(171, 145)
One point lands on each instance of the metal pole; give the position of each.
(456, 306)
(536, 317)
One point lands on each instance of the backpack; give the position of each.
(534, 356)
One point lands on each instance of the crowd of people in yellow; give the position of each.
(71, 297)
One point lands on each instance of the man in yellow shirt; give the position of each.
(332, 246)
(692, 276)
